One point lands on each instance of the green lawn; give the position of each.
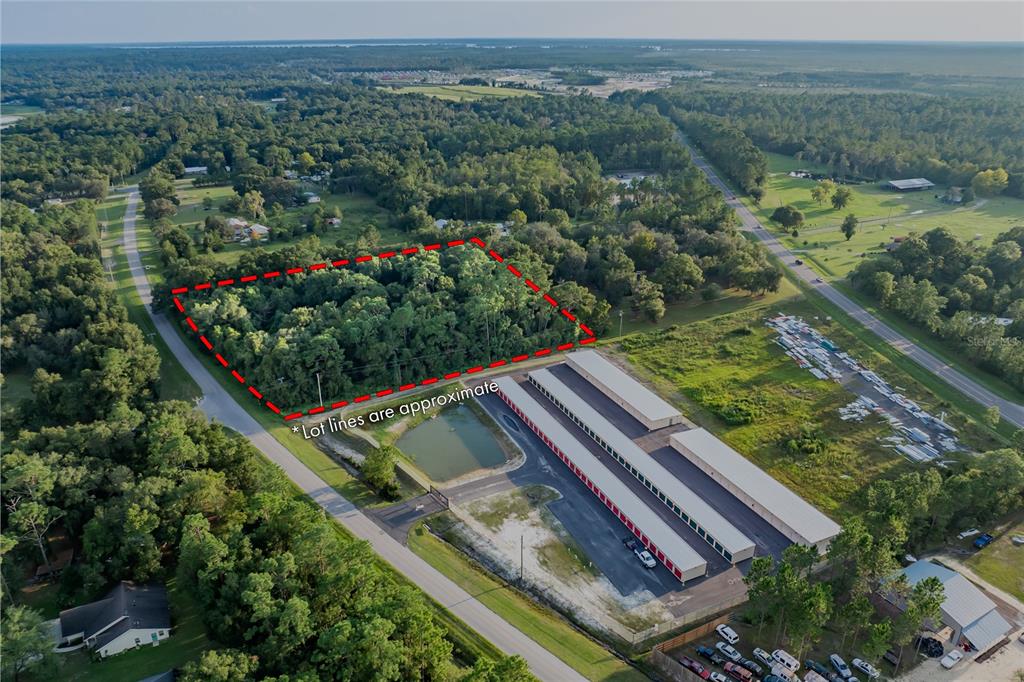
(883, 215)
(1002, 562)
(175, 382)
(589, 658)
(462, 93)
(689, 311)
(187, 641)
(19, 110)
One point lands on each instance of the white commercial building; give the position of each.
(711, 526)
(774, 502)
(624, 390)
(656, 535)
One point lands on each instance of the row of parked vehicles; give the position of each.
(777, 666)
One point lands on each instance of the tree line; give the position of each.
(145, 490)
(971, 296)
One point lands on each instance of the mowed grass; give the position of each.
(462, 93)
(1002, 562)
(542, 625)
(187, 641)
(358, 210)
(883, 215)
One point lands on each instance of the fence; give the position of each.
(441, 497)
(671, 668)
(690, 635)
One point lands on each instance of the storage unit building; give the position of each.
(711, 526)
(624, 390)
(774, 502)
(656, 535)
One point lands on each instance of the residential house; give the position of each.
(196, 170)
(333, 222)
(129, 616)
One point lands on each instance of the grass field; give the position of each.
(883, 215)
(727, 369)
(540, 624)
(187, 641)
(358, 210)
(1002, 562)
(462, 93)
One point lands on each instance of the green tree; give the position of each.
(989, 183)
(647, 299)
(788, 216)
(207, 202)
(678, 276)
(992, 416)
(159, 208)
(842, 197)
(822, 191)
(849, 226)
(379, 468)
(506, 669)
(517, 218)
(221, 665)
(252, 204)
(27, 644)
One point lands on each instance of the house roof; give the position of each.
(144, 605)
(911, 183)
(965, 606)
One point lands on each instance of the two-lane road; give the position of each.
(1011, 411)
(219, 405)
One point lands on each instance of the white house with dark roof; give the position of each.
(967, 611)
(129, 616)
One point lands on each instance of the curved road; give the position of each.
(1011, 411)
(219, 405)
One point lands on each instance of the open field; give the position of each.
(187, 641)
(462, 93)
(1002, 562)
(883, 215)
(540, 624)
(729, 375)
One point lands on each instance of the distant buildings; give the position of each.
(128, 617)
(333, 222)
(909, 185)
(311, 197)
(196, 170)
(972, 618)
(245, 232)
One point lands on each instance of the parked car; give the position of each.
(694, 666)
(738, 672)
(983, 540)
(971, 532)
(774, 678)
(718, 677)
(727, 633)
(818, 668)
(764, 657)
(728, 652)
(929, 646)
(798, 262)
(952, 658)
(840, 665)
(752, 666)
(786, 660)
(645, 557)
(710, 654)
(891, 656)
(871, 671)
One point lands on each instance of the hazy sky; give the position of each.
(99, 21)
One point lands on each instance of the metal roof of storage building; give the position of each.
(661, 534)
(731, 466)
(626, 387)
(700, 511)
(912, 183)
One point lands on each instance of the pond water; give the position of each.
(451, 444)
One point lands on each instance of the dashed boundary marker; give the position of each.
(179, 292)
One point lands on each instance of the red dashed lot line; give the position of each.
(591, 337)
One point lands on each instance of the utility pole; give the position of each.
(621, 312)
(318, 391)
(520, 559)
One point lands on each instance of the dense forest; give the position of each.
(973, 297)
(875, 136)
(145, 490)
